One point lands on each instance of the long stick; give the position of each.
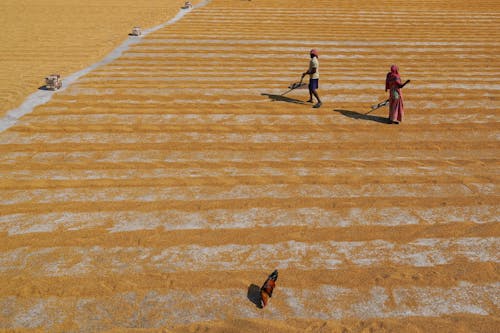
(384, 103)
(379, 105)
(293, 86)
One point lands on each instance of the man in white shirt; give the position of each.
(313, 72)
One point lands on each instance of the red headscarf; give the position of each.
(315, 53)
(392, 76)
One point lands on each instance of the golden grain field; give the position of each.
(160, 189)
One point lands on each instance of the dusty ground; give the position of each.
(159, 190)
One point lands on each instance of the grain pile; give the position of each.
(159, 189)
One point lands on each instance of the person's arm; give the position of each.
(404, 84)
(309, 71)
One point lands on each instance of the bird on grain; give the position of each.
(266, 291)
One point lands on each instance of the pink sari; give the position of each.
(393, 84)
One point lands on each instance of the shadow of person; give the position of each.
(253, 295)
(363, 116)
(44, 87)
(281, 98)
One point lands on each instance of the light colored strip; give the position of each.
(129, 221)
(144, 73)
(209, 93)
(41, 97)
(267, 65)
(329, 255)
(360, 106)
(229, 119)
(325, 302)
(292, 19)
(273, 92)
(283, 137)
(238, 192)
(76, 90)
(321, 36)
(235, 171)
(186, 77)
(431, 103)
(290, 56)
(349, 13)
(426, 102)
(331, 302)
(363, 158)
(301, 43)
(269, 50)
(294, 22)
(224, 11)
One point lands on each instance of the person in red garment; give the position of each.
(394, 85)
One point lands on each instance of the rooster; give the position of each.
(266, 291)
